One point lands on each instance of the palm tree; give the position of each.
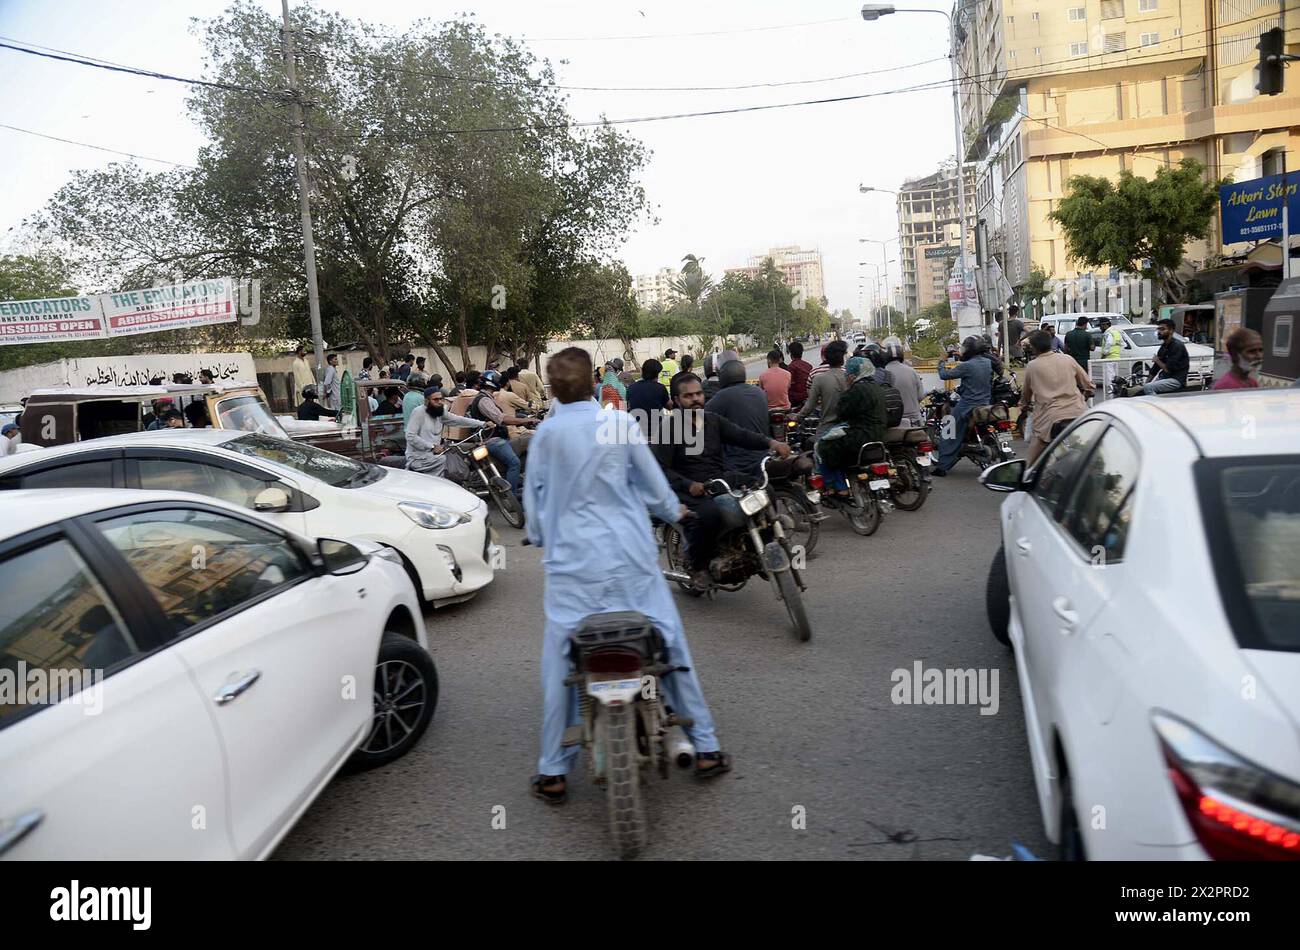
(694, 284)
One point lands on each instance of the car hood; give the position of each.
(401, 485)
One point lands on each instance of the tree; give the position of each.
(693, 284)
(429, 200)
(1120, 224)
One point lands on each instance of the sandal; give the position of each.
(552, 796)
(718, 762)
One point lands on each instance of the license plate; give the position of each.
(923, 461)
(604, 686)
(878, 484)
(815, 497)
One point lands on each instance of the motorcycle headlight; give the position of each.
(480, 453)
(754, 502)
(431, 516)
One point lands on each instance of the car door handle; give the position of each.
(238, 683)
(1023, 546)
(15, 831)
(1061, 607)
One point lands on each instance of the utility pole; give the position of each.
(304, 191)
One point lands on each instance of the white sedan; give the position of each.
(1149, 582)
(180, 678)
(439, 529)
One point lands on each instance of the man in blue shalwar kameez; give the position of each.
(591, 479)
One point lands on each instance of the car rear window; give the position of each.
(1252, 514)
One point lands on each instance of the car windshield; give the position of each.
(1147, 336)
(333, 469)
(1260, 548)
(250, 414)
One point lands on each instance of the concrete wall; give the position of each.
(123, 371)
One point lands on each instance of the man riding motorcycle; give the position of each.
(485, 409)
(861, 414)
(584, 490)
(975, 371)
(691, 461)
(424, 448)
(908, 383)
(746, 406)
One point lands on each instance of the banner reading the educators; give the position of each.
(199, 303)
(1252, 210)
(52, 320)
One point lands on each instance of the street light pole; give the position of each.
(874, 11)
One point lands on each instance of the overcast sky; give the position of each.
(722, 186)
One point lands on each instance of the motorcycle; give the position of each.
(911, 456)
(988, 431)
(792, 493)
(618, 660)
(871, 483)
(753, 541)
(484, 480)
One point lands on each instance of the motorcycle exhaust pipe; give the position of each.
(681, 576)
(678, 748)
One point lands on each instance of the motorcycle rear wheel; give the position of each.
(785, 583)
(866, 519)
(918, 488)
(806, 531)
(509, 506)
(627, 823)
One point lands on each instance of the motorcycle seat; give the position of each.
(981, 414)
(901, 435)
(629, 629)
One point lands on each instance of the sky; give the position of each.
(722, 187)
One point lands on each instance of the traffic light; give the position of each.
(1270, 62)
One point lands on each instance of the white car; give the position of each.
(1140, 344)
(1063, 323)
(1149, 583)
(179, 678)
(439, 528)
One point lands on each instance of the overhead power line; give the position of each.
(99, 148)
(675, 36)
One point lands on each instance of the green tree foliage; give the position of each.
(429, 228)
(1124, 222)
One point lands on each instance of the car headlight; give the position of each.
(431, 516)
(754, 502)
(480, 453)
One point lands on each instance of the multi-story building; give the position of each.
(799, 268)
(1052, 89)
(655, 290)
(929, 215)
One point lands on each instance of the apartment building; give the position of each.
(655, 290)
(1094, 87)
(799, 268)
(929, 216)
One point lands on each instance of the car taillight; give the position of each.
(880, 468)
(1238, 810)
(925, 447)
(1004, 425)
(815, 481)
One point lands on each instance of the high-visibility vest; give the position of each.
(1111, 343)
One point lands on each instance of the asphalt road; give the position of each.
(811, 725)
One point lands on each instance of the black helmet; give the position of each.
(874, 353)
(309, 392)
(731, 373)
(709, 369)
(972, 346)
(894, 351)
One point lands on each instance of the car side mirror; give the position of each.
(271, 498)
(339, 557)
(1005, 476)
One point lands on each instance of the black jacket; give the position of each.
(683, 467)
(1174, 355)
(648, 395)
(311, 411)
(746, 406)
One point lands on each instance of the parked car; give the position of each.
(1140, 345)
(204, 673)
(1149, 583)
(63, 415)
(1063, 323)
(439, 530)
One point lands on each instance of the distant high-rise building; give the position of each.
(799, 268)
(655, 290)
(929, 216)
